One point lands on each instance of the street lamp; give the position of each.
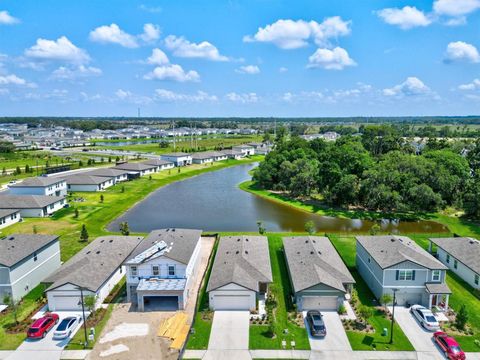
(393, 315)
(83, 315)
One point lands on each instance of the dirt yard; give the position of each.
(124, 335)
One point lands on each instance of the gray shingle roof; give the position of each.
(39, 181)
(92, 266)
(466, 250)
(243, 260)
(438, 288)
(107, 172)
(134, 167)
(243, 146)
(156, 162)
(16, 247)
(4, 213)
(86, 180)
(231, 152)
(181, 241)
(389, 250)
(313, 260)
(27, 201)
(176, 154)
(203, 155)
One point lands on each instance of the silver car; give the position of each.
(66, 327)
(425, 317)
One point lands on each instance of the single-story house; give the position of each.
(203, 157)
(246, 150)
(240, 274)
(160, 270)
(88, 183)
(160, 164)
(137, 168)
(95, 269)
(461, 255)
(233, 154)
(114, 174)
(256, 145)
(40, 185)
(178, 158)
(25, 261)
(32, 205)
(9, 217)
(390, 262)
(320, 280)
(218, 156)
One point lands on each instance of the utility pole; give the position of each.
(393, 315)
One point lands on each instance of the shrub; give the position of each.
(342, 310)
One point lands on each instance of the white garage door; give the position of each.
(66, 303)
(231, 302)
(319, 302)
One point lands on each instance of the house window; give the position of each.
(477, 278)
(436, 275)
(455, 264)
(405, 275)
(34, 256)
(171, 270)
(155, 270)
(448, 258)
(133, 271)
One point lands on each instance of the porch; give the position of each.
(438, 296)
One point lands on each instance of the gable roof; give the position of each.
(106, 172)
(313, 260)
(92, 266)
(7, 212)
(156, 162)
(39, 181)
(389, 250)
(203, 155)
(175, 154)
(27, 201)
(466, 250)
(134, 167)
(243, 260)
(16, 247)
(231, 152)
(180, 245)
(86, 180)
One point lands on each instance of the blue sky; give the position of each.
(239, 58)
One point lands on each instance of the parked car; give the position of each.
(425, 317)
(40, 327)
(316, 323)
(66, 327)
(449, 346)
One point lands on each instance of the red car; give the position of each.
(42, 326)
(449, 346)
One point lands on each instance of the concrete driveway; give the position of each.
(336, 338)
(229, 330)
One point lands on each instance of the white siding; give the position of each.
(9, 220)
(463, 271)
(59, 189)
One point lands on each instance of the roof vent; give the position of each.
(238, 239)
(228, 252)
(311, 252)
(298, 252)
(306, 241)
(88, 252)
(246, 251)
(98, 252)
(392, 239)
(103, 240)
(319, 252)
(472, 242)
(110, 241)
(11, 238)
(237, 252)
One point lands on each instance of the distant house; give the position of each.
(256, 145)
(137, 168)
(160, 164)
(462, 256)
(40, 185)
(25, 260)
(9, 217)
(320, 280)
(178, 158)
(397, 262)
(218, 156)
(161, 268)
(96, 269)
(240, 274)
(88, 183)
(32, 205)
(246, 150)
(202, 157)
(233, 154)
(113, 174)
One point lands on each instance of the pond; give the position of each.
(213, 202)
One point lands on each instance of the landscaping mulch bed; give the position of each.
(22, 326)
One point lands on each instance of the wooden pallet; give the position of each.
(173, 326)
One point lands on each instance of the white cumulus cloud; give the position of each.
(474, 85)
(151, 33)
(113, 34)
(181, 47)
(248, 69)
(455, 8)
(412, 86)
(60, 49)
(73, 73)
(170, 96)
(330, 59)
(12, 79)
(158, 57)
(245, 98)
(461, 51)
(172, 72)
(7, 19)
(405, 18)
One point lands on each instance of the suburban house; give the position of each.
(218, 156)
(25, 260)
(9, 217)
(461, 255)
(233, 154)
(160, 164)
(88, 183)
(178, 158)
(246, 150)
(397, 262)
(203, 157)
(137, 168)
(319, 278)
(40, 185)
(94, 270)
(32, 205)
(161, 268)
(114, 174)
(240, 274)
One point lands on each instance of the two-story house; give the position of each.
(160, 270)
(25, 260)
(32, 205)
(9, 217)
(40, 185)
(396, 262)
(246, 150)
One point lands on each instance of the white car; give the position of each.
(66, 327)
(425, 317)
